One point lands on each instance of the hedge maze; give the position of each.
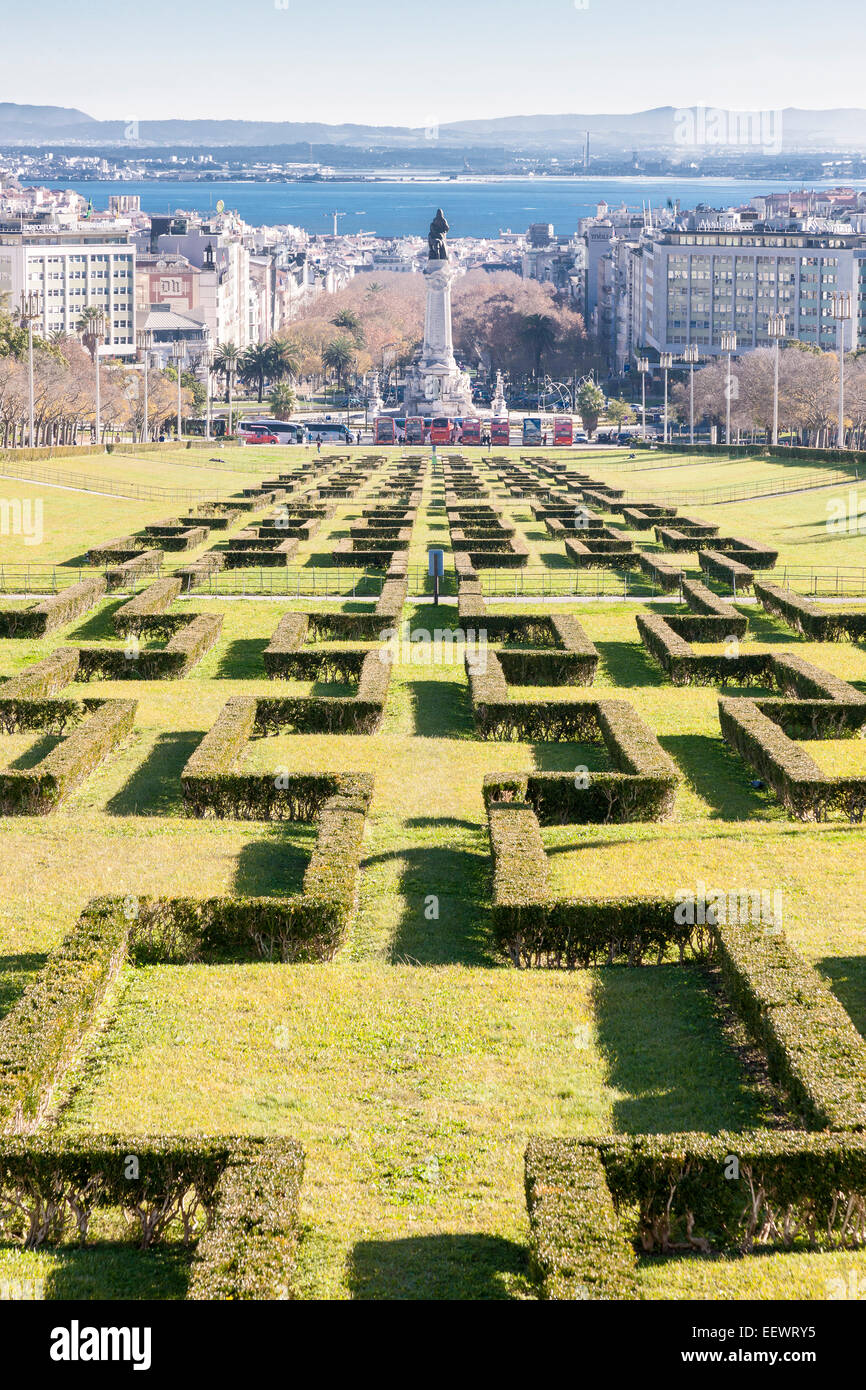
(415, 886)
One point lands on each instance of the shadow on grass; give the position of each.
(475, 1267)
(242, 659)
(15, 973)
(445, 893)
(666, 1054)
(36, 752)
(719, 777)
(110, 1271)
(154, 788)
(566, 757)
(99, 624)
(628, 664)
(441, 709)
(846, 976)
(274, 866)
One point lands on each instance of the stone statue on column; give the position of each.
(438, 250)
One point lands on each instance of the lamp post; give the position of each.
(177, 358)
(142, 341)
(729, 346)
(97, 333)
(690, 357)
(841, 310)
(31, 308)
(207, 361)
(643, 368)
(666, 361)
(776, 329)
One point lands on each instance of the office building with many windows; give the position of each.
(72, 270)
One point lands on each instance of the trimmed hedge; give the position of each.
(38, 790)
(808, 618)
(535, 929)
(54, 612)
(250, 1251)
(40, 1034)
(577, 1249)
(148, 610)
(211, 787)
(25, 701)
(665, 641)
(806, 792)
(668, 577)
(51, 1187)
(726, 569)
(190, 643)
(688, 1192)
(812, 1046)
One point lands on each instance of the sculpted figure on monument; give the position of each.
(436, 237)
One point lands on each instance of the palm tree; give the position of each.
(254, 365)
(538, 332)
(285, 359)
(590, 404)
(281, 399)
(338, 356)
(225, 363)
(348, 319)
(91, 328)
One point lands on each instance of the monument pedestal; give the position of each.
(435, 384)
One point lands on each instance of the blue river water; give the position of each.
(474, 207)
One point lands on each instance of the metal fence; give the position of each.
(110, 487)
(53, 579)
(746, 492)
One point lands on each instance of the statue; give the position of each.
(436, 237)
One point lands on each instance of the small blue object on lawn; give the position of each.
(436, 568)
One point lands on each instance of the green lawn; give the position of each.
(414, 1066)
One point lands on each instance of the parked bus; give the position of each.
(500, 432)
(471, 432)
(563, 430)
(415, 429)
(385, 430)
(329, 431)
(286, 431)
(532, 431)
(198, 426)
(442, 430)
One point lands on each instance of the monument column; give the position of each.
(437, 355)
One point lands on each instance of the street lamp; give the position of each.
(96, 332)
(728, 345)
(666, 361)
(690, 357)
(29, 311)
(143, 339)
(643, 368)
(177, 358)
(776, 329)
(841, 311)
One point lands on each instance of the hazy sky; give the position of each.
(383, 62)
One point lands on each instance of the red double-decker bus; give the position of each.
(386, 431)
(563, 430)
(415, 429)
(471, 432)
(442, 430)
(500, 432)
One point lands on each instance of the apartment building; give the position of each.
(701, 281)
(72, 269)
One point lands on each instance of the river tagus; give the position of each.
(475, 207)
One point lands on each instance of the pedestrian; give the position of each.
(318, 443)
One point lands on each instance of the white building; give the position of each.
(72, 270)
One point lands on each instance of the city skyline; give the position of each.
(465, 65)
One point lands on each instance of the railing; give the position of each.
(336, 582)
(52, 579)
(110, 487)
(745, 492)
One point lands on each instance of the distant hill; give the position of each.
(843, 128)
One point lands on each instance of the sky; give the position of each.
(395, 62)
